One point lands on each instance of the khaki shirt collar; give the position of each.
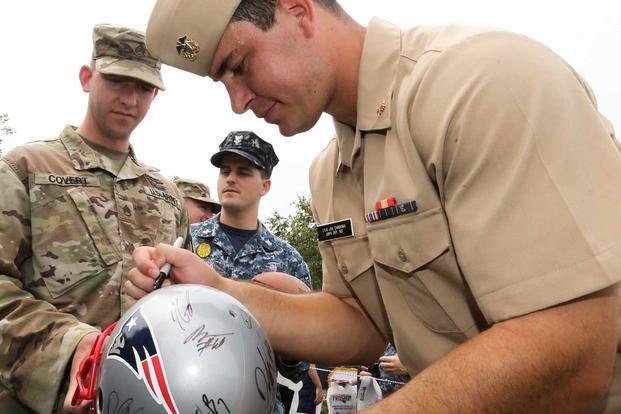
(84, 157)
(376, 77)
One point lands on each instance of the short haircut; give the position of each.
(262, 13)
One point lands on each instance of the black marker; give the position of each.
(165, 270)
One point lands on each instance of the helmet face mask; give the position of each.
(186, 348)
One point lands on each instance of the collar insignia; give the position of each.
(381, 109)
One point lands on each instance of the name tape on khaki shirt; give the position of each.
(335, 230)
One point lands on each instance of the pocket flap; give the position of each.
(352, 257)
(107, 251)
(408, 242)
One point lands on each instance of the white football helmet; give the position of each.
(185, 349)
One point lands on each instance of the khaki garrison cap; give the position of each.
(186, 33)
(197, 191)
(122, 51)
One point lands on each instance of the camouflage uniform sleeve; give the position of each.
(300, 270)
(183, 226)
(36, 341)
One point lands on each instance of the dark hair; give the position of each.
(265, 174)
(262, 13)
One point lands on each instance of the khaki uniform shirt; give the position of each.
(515, 174)
(68, 226)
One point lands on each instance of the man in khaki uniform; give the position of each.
(197, 199)
(467, 209)
(72, 211)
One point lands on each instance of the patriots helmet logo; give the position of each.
(136, 348)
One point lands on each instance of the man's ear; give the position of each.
(85, 75)
(303, 11)
(267, 184)
(155, 92)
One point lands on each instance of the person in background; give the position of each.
(311, 393)
(389, 370)
(235, 242)
(73, 209)
(197, 198)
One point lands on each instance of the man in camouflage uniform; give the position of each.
(73, 210)
(197, 198)
(235, 243)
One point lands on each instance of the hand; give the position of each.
(318, 395)
(364, 371)
(392, 365)
(186, 268)
(82, 350)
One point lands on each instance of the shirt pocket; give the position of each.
(69, 241)
(354, 263)
(413, 256)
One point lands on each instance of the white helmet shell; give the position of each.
(187, 349)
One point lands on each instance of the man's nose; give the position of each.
(240, 96)
(231, 177)
(129, 95)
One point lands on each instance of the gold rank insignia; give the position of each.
(203, 250)
(381, 109)
(187, 48)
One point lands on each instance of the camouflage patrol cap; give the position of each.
(197, 191)
(122, 51)
(186, 33)
(249, 145)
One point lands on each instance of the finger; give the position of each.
(137, 292)
(147, 260)
(165, 253)
(82, 408)
(390, 369)
(74, 409)
(140, 280)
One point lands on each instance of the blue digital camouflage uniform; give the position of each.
(68, 226)
(264, 252)
(392, 386)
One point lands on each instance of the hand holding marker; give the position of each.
(165, 270)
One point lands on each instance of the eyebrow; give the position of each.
(242, 168)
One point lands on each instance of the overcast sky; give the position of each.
(44, 43)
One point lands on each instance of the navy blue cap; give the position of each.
(249, 145)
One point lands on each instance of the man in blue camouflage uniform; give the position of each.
(72, 211)
(391, 369)
(235, 243)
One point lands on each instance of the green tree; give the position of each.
(5, 129)
(298, 229)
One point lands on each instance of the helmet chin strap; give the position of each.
(87, 373)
